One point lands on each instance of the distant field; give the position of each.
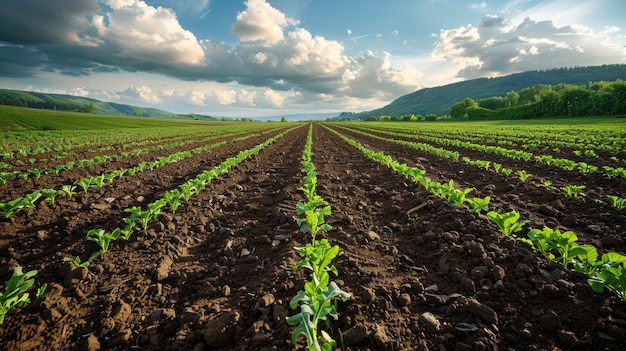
(19, 118)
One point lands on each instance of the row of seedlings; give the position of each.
(318, 300)
(97, 182)
(607, 272)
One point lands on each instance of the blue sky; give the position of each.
(274, 57)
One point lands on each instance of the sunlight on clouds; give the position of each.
(260, 21)
(142, 93)
(225, 97)
(143, 32)
(495, 48)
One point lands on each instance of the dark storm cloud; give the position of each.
(43, 21)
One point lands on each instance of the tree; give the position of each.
(459, 110)
(90, 108)
(283, 119)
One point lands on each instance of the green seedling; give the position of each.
(611, 275)
(83, 183)
(458, 197)
(586, 168)
(103, 238)
(316, 300)
(523, 175)
(97, 182)
(617, 202)
(478, 205)
(76, 261)
(138, 216)
(508, 222)
(8, 208)
(5, 176)
(15, 294)
(69, 190)
(186, 191)
(36, 172)
(29, 199)
(49, 195)
(573, 190)
(173, 198)
(506, 171)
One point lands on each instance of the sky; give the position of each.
(279, 57)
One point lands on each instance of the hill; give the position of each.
(438, 100)
(62, 102)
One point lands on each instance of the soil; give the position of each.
(217, 274)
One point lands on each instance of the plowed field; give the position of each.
(217, 274)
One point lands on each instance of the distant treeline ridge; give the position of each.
(544, 100)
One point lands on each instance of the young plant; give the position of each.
(83, 183)
(103, 238)
(69, 190)
(478, 205)
(138, 216)
(15, 294)
(497, 167)
(573, 190)
(617, 202)
(173, 198)
(97, 182)
(506, 171)
(29, 199)
(8, 208)
(36, 172)
(49, 195)
(508, 222)
(316, 300)
(523, 175)
(458, 197)
(5, 176)
(76, 261)
(611, 275)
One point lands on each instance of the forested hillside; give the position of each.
(74, 103)
(439, 100)
(541, 100)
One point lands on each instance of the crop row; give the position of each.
(570, 165)
(97, 182)
(15, 294)
(600, 137)
(570, 190)
(317, 301)
(140, 218)
(99, 159)
(609, 272)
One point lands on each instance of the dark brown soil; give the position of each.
(217, 274)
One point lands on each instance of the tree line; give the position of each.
(543, 100)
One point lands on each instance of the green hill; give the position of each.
(61, 102)
(438, 100)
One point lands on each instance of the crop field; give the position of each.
(393, 236)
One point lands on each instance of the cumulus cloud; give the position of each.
(494, 47)
(141, 94)
(260, 21)
(138, 31)
(278, 60)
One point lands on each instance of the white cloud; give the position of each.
(195, 98)
(495, 48)
(225, 97)
(141, 94)
(140, 32)
(260, 21)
